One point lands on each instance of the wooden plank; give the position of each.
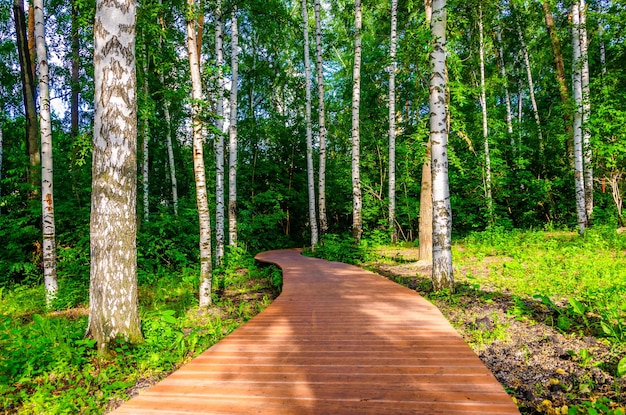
(338, 340)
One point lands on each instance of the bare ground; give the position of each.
(545, 370)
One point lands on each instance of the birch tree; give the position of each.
(357, 200)
(579, 183)
(309, 127)
(145, 135)
(442, 214)
(219, 139)
(586, 107)
(168, 132)
(483, 105)
(113, 310)
(198, 159)
(48, 246)
(426, 189)
(507, 94)
(392, 121)
(531, 87)
(323, 220)
(232, 142)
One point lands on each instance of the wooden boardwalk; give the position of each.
(338, 340)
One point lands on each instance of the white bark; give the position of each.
(483, 105)
(586, 131)
(507, 95)
(168, 140)
(309, 128)
(113, 310)
(45, 126)
(170, 149)
(392, 121)
(198, 163)
(442, 214)
(357, 202)
(321, 121)
(219, 139)
(232, 144)
(578, 118)
(531, 87)
(146, 143)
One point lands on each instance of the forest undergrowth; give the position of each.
(48, 367)
(545, 311)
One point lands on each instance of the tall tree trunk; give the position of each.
(113, 309)
(309, 128)
(426, 210)
(1, 153)
(219, 139)
(47, 194)
(145, 134)
(392, 121)
(531, 87)
(168, 136)
(198, 163)
(75, 68)
(586, 130)
(442, 214)
(357, 201)
(558, 60)
(426, 189)
(483, 104)
(578, 118)
(321, 121)
(28, 90)
(232, 144)
(170, 150)
(507, 94)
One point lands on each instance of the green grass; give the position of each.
(47, 366)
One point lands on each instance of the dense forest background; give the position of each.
(531, 178)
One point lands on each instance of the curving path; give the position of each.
(338, 340)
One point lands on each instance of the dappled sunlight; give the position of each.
(337, 340)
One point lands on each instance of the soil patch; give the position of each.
(546, 371)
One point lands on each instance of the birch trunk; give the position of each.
(578, 118)
(168, 139)
(507, 94)
(531, 87)
(198, 163)
(323, 220)
(586, 104)
(426, 210)
(442, 214)
(75, 68)
(309, 128)
(357, 202)
(28, 90)
(146, 142)
(232, 144)
(113, 309)
(219, 139)
(170, 148)
(1, 152)
(45, 126)
(426, 191)
(392, 122)
(483, 104)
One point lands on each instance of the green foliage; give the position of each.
(342, 248)
(47, 366)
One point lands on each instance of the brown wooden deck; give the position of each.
(338, 340)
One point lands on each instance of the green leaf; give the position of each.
(168, 316)
(578, 307)
(621, 368)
